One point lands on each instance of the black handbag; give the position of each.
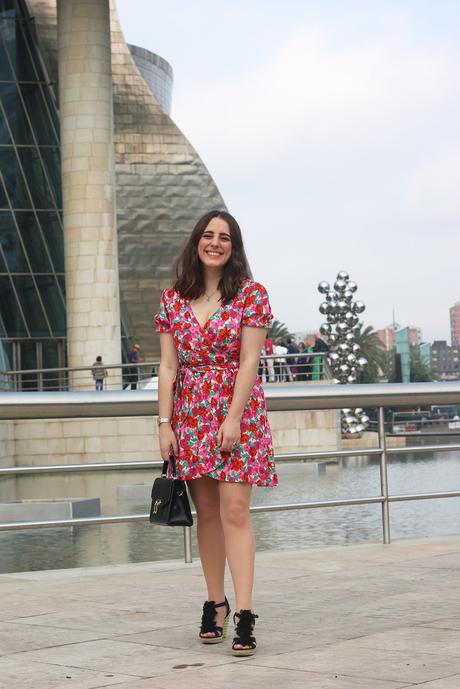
(170, 503)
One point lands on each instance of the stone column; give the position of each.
(88, 187)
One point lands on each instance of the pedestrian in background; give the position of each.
(99, 373)
(133, 371)
(301, 363)
(292, 360)
(319, 348)
(283, 369)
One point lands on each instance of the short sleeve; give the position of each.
(161, 318)
(257, 312)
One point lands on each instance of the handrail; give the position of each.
(92, 404)
(73, 369)
(158, 463)
(273, 368)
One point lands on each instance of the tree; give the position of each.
(278, 331)
(373, 350)
(419, 371)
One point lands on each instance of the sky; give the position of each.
(331, 129)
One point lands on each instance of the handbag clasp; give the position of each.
(156, 505)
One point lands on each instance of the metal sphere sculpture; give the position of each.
(344, 357)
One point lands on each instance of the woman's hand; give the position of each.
(168, 440)
(229, 434)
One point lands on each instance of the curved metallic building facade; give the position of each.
(162, 186)
(157, 73)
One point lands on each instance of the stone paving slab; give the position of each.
(367, 616)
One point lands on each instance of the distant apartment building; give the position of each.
(455, 324)
(445, 361)
(387, 336)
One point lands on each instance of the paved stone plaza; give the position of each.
(358, 617)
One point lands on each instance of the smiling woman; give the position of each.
(213, 322)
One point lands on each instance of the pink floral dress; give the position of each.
(203, 387)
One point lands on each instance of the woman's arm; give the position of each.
(252, 340)
(167, 370)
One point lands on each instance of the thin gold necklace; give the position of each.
(208, 297)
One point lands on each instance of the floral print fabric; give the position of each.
(203, 387)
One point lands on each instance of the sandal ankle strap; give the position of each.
(219, 605)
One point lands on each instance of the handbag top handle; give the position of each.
(172, 461)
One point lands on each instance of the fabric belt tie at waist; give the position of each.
(209, 367)
(183, 368)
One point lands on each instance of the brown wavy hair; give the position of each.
(188, 268)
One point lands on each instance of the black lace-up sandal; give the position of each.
(244, 629)
(208, 623)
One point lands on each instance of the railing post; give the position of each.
(384, 478)
(188, 544)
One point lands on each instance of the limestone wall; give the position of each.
(7, 458)
(297, 431)
(78, 441)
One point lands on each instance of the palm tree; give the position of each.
(278, 331)
(419, 371)
(373, 350)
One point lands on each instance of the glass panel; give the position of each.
(46, 92)
(7, 8)
(33, 242)
(54, 237)
(11, 245)
(8, 36)
(61, 280)
(5, 137)
(32, 166)
(6, 356)
(50, 355)
(15, 114)
(3, 198)
(3, 268)
(52, 162)
(17, 48)
(10, 310)
(54, 305)
(38, 113)
(29, 361)
(14, 181)
(31, 306)
(5, 69)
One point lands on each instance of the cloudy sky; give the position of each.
(331, 128)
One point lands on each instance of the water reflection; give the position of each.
(304, 481)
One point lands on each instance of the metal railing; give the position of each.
(279, 398)
(273, 369)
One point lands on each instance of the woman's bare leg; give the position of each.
(211, 543)
(239, 540)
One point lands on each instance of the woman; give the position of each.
(212, 413)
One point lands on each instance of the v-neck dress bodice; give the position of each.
(203, 387)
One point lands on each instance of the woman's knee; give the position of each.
(235, 513)
(207, 510)
(206, 500)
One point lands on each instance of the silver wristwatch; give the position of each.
(163, 419)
